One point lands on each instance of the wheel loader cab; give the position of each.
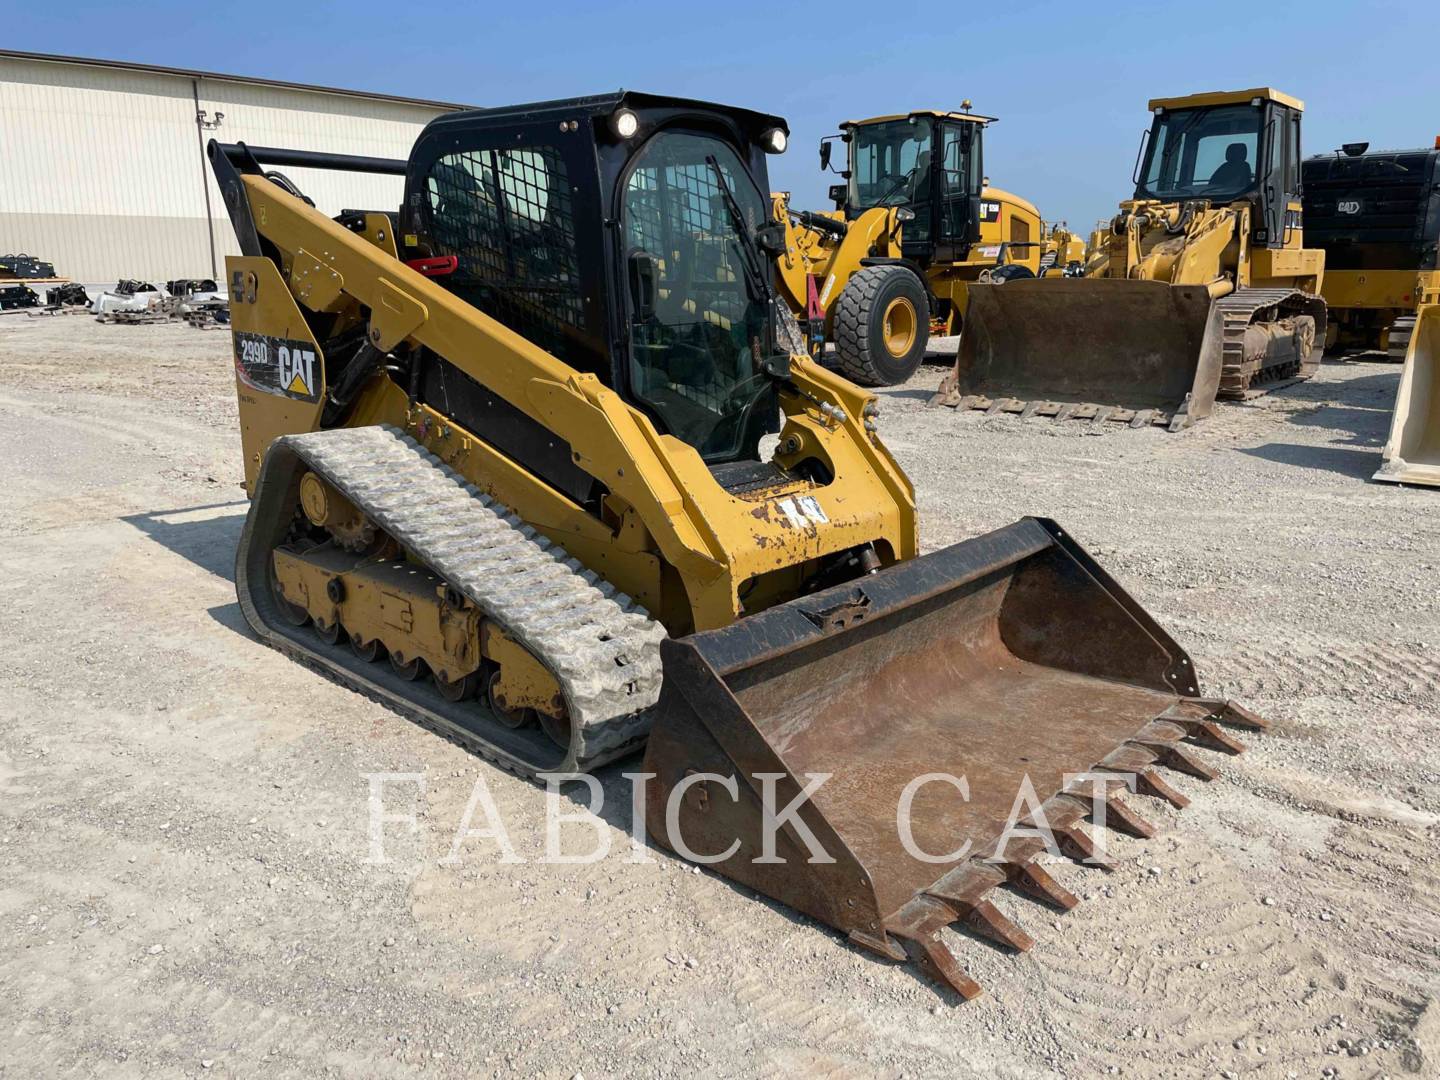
(1226, 148)
(931, 164)
(622, 234)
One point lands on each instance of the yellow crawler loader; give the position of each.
(526, 462)
(1206, 290)
(915, 224)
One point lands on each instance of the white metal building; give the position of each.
(103, 170)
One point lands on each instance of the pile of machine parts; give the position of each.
(195, 301)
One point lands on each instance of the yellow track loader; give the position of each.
(1412, 452)
(1206, 291)
(915, 224)
(526, 462)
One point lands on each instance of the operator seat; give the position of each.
(1234, 174)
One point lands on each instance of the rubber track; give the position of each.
(602, 648)
(1237, 311)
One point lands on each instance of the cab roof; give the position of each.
(941, 114)
(603, 104)
(1226, 97)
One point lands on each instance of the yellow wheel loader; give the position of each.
(526, 462)
(1376, 215)
(915, 223)
(1206, 291)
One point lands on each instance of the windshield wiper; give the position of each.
(900, 181)
(751, 259)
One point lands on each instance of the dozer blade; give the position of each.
(1004, 681)
(1126, 351)
(1412, 453)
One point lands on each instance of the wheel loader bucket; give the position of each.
(1412, 453)
(968, 710)
(1097, 348)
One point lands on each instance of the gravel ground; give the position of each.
(185, 825)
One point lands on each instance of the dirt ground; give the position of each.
(185, 816)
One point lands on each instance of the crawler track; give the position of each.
(602, 648)
(1243, 307)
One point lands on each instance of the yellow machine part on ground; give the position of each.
(1412, 452)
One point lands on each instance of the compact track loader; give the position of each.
(1206, 289)
(1412, 452)
(1376, 215)
(915, 224)
(504, 454)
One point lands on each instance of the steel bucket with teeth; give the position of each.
(1002, 661)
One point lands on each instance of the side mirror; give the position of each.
(838, 195)
(824, 154)
(643, 273)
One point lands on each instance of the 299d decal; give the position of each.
(278, 366)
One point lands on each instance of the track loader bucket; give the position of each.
(1412, 453)
(1010, 665)
(1097, 348)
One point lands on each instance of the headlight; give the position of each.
(624, 123)
(904, 213)
(774, 141)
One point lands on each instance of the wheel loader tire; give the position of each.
(882, 325)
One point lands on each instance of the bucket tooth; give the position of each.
(934, 958)
(963, 891)
(1035, 881)
(1149, 782)
(1238, 716)
(1076, 844)
(1121, 818)
(985, 918)
(1211, 736)
(1173, 757)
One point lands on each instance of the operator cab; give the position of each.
(628, 235)
(1223, 148)
(929, 163)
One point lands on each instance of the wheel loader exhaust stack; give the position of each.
(503, 454)
(1205, 289)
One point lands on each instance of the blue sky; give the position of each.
(1068, 80)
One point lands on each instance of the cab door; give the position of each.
(1280, 211)
(961, 175)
